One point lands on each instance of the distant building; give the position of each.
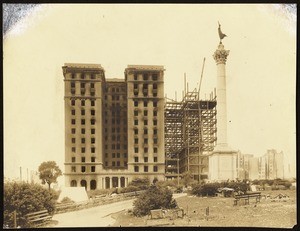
(253, 168)
(268, 166)
(274, 164)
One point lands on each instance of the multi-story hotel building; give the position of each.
(114, 128)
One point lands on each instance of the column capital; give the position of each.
(221, 54)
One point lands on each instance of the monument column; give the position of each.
(222, 161)
(220, 57)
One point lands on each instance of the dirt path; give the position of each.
(93, 217)
(99, 216)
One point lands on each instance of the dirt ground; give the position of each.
(279, 213)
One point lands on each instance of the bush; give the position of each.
(66, 200)
(130, 189)
(196, 190)
(237, 186)
(99, 192)
(273, 183)
(211, 189)
(165, 183)
(141, 183)
(154, 198)
(25, 198)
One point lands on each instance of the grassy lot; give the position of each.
(267, 213)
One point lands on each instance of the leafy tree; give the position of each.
(153, 198)
(25, 198)
(49, 172)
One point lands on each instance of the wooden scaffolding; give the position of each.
(190, 135)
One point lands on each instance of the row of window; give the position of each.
(115, 164)
(82, 102)
(83, 149)
(115, 146)
(93, 140)
(115, 89)
(93, 159)
(83, 168)
(82, 85)
(92, 112)
(146, 77)
(146, 168)
(83, 183)
(116, 155)
(82, 91)
(73, 121)
(83, 75)
(73, 130)
(136, 131)
(136, 140)
(145, 103)
(115, 138)
(136, 113)
(116, 113)
(115, 106)
(145, 86)
(136, 122)
(115, 129)
(145, 93)
(136, 150)
(116, 121)
(116, 97)
(136, 159)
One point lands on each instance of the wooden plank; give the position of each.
(39, 212)
(41, 219)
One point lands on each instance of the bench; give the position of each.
(246, 197)
(38, 217)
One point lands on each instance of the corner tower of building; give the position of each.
(83, 123)
(145, 92)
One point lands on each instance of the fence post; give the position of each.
(207, 212)
(15, 219)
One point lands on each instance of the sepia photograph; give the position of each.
(149, 115)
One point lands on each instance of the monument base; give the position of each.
(223, 164)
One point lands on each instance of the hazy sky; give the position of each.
(261, 68)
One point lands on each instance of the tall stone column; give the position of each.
(110, 182)
(220, 57)
(223, 160)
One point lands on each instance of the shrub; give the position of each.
(196, 190)
(66, 200)
(165, 183)
(154, 198)
(98, 192)
(141, 183)
(210, 189)
(130, 188)
(237, 186)
(25, 198)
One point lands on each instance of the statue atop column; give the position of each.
(221, 54)
(221, 35)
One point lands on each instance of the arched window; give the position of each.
(73, 183)
(83, 183)
(93, 184)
